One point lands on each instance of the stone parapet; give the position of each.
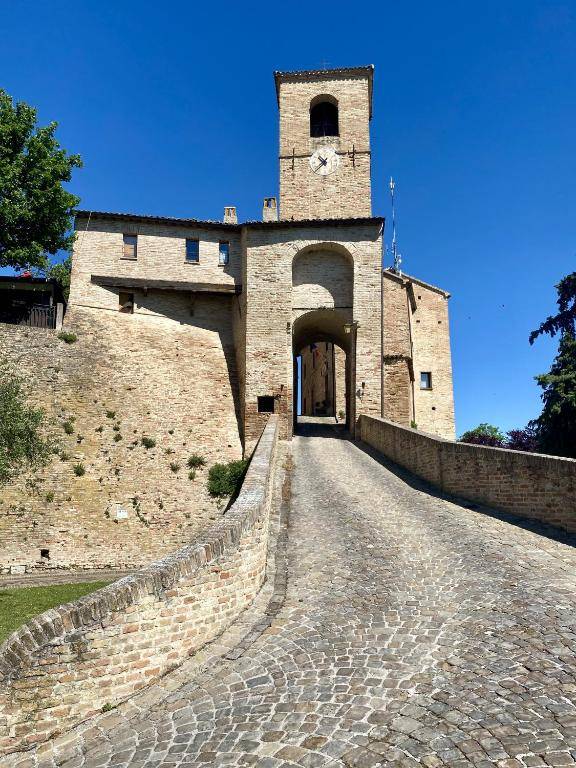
(71, 661)
(525, 484)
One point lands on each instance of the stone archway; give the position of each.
(322, 311)
(333, 326)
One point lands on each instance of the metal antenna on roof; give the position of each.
(395, 255)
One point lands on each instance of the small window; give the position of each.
(425, 380)
(130, 246)
(126, 303)
(45, 554)
(223, 253)
(192, 250)
(266, 404)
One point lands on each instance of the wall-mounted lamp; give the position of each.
(349, 327)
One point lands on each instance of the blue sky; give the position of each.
(172, 108)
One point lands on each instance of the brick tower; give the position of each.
(325, 143)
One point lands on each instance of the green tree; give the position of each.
(23, 443)
(61, 273)
(35, 209)
(557, 422)
(484, 434)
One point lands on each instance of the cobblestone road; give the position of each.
(414, 632)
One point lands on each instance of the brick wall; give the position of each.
(67, 663)
(525, 484)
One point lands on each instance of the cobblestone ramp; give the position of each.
(414, 632)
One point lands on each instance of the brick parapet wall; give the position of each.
(67, 663)
(525, 484)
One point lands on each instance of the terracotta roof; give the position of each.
(307, 74)
(403, 278)
(210, 224)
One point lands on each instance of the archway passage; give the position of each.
(323, 364)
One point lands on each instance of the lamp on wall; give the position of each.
(353, 326)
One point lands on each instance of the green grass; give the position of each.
(19, 605)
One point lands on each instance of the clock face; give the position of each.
(324, 161)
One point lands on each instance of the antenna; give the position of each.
(395, 255)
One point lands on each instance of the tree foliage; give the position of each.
(35, 209)
(484, 434)
(556, 424)
(61, 273)
(23, 444)
(226, 479)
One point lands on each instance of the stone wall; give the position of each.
(416, 339)
(525, 484)
(70, 661)
(160, 373)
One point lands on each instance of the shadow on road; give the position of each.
(321, 426)
(527, 524)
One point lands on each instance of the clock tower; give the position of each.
(325, 143)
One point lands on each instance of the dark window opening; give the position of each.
(223, 253)
(324, 119)
(130, 246)
(192, 250)
(266, 404)
(45, 553)
(425, 380)
(126, 303)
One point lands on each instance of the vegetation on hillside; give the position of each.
(35, 209)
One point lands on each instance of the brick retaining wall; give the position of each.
(526, 484)
(69, 662)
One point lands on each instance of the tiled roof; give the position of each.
(210, 224)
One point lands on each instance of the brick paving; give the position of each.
(414, 631)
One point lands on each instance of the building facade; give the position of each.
(243, 301)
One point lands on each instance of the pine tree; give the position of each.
(557, 422)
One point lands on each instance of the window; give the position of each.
(126, 303)
(130, 246)
(266, 404)
(192, 250)
(223, 252)
(425, 380)
(324, 118)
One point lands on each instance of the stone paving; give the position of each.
(414, 631)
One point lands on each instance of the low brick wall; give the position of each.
(67, 663)
(525, 484)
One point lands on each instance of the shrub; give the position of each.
(110, 414)
(195, 461)
(148, 442)
(226, 479)
(50, 497)
(117, 437)
(67, 336)
(79, 470)
(64, 456)
(174, 466)
(192, 474)
(523, 439)
(68, 427)
(413, 424)
(100, 429)
(23, 444)
(116, 427)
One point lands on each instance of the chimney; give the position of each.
(270, 209)
(230, 215)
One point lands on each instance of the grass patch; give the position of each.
(148, 442)
(19, 605)
(196, 461)
(67, 336)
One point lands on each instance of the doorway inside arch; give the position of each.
(323, 361)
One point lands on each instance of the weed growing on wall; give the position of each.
(226, 479)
